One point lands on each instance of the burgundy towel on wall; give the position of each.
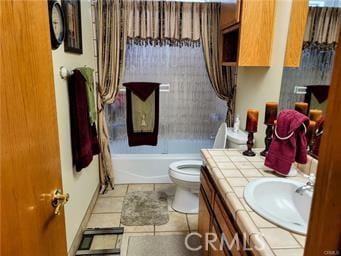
(83, 135)
(142, 113)
(283, 153)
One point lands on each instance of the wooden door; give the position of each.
(204, 220)
(324, 232)
(30, 163)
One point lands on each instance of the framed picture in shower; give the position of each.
(73, 26)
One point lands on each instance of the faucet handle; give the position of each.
(312, 179)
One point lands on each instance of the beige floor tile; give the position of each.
(170, 201)
(192, 222)
(177, 222)
(168, 188)
(279, 239)
(103, 242)
(119, 190)
(123, 241)
(237, 182)
(289, 252)
(104, 220)
(251, 173)
(138, 229)
(169, 233)
(108, 204)
(140, 187)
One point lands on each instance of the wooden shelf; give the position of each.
(249, 42)
(230, 42)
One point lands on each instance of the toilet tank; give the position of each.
(236, 139)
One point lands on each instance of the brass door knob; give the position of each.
(58, 200)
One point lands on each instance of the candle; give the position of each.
(252, 120)
(311, 130)
(270, 113)
(315, 114)
(302, 107)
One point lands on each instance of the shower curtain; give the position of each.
(154, 22)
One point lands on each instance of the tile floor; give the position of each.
(107, 213)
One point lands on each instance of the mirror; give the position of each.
(310, 81)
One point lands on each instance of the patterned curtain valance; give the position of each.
(162, 22)
(323, 27)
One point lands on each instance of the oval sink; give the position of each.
(275, 199)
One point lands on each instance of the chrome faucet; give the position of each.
(309, 186)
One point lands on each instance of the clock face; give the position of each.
(57, 22)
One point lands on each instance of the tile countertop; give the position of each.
(231, 172)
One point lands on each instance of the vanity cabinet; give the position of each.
(215, 218)
(247, 29)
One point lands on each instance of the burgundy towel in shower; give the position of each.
(283, 153)
(83, 135)
(142, 113)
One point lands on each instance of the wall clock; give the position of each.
(57, 24)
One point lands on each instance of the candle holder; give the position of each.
(249, 151)
(267, 139)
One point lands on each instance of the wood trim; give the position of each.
(298, 20)
(324, 233)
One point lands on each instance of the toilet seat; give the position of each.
(187, 170)
(187, 167)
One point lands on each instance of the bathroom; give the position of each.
(161, 127)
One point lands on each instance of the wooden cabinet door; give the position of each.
(217, 249)
(30, 162)
(204, 220)
(229, 13)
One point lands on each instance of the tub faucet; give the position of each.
(309, 186)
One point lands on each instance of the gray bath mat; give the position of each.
(145, 208)
(165, 245)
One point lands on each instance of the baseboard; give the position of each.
(78, 237)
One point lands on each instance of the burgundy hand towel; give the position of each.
(283, 153)
(143, 90)
(83, 136)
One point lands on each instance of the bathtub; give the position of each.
(145, 168)
(147, 164)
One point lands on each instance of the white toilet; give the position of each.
(186, 174)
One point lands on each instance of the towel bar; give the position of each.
(163, 88)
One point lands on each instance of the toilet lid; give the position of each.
(188, 167)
